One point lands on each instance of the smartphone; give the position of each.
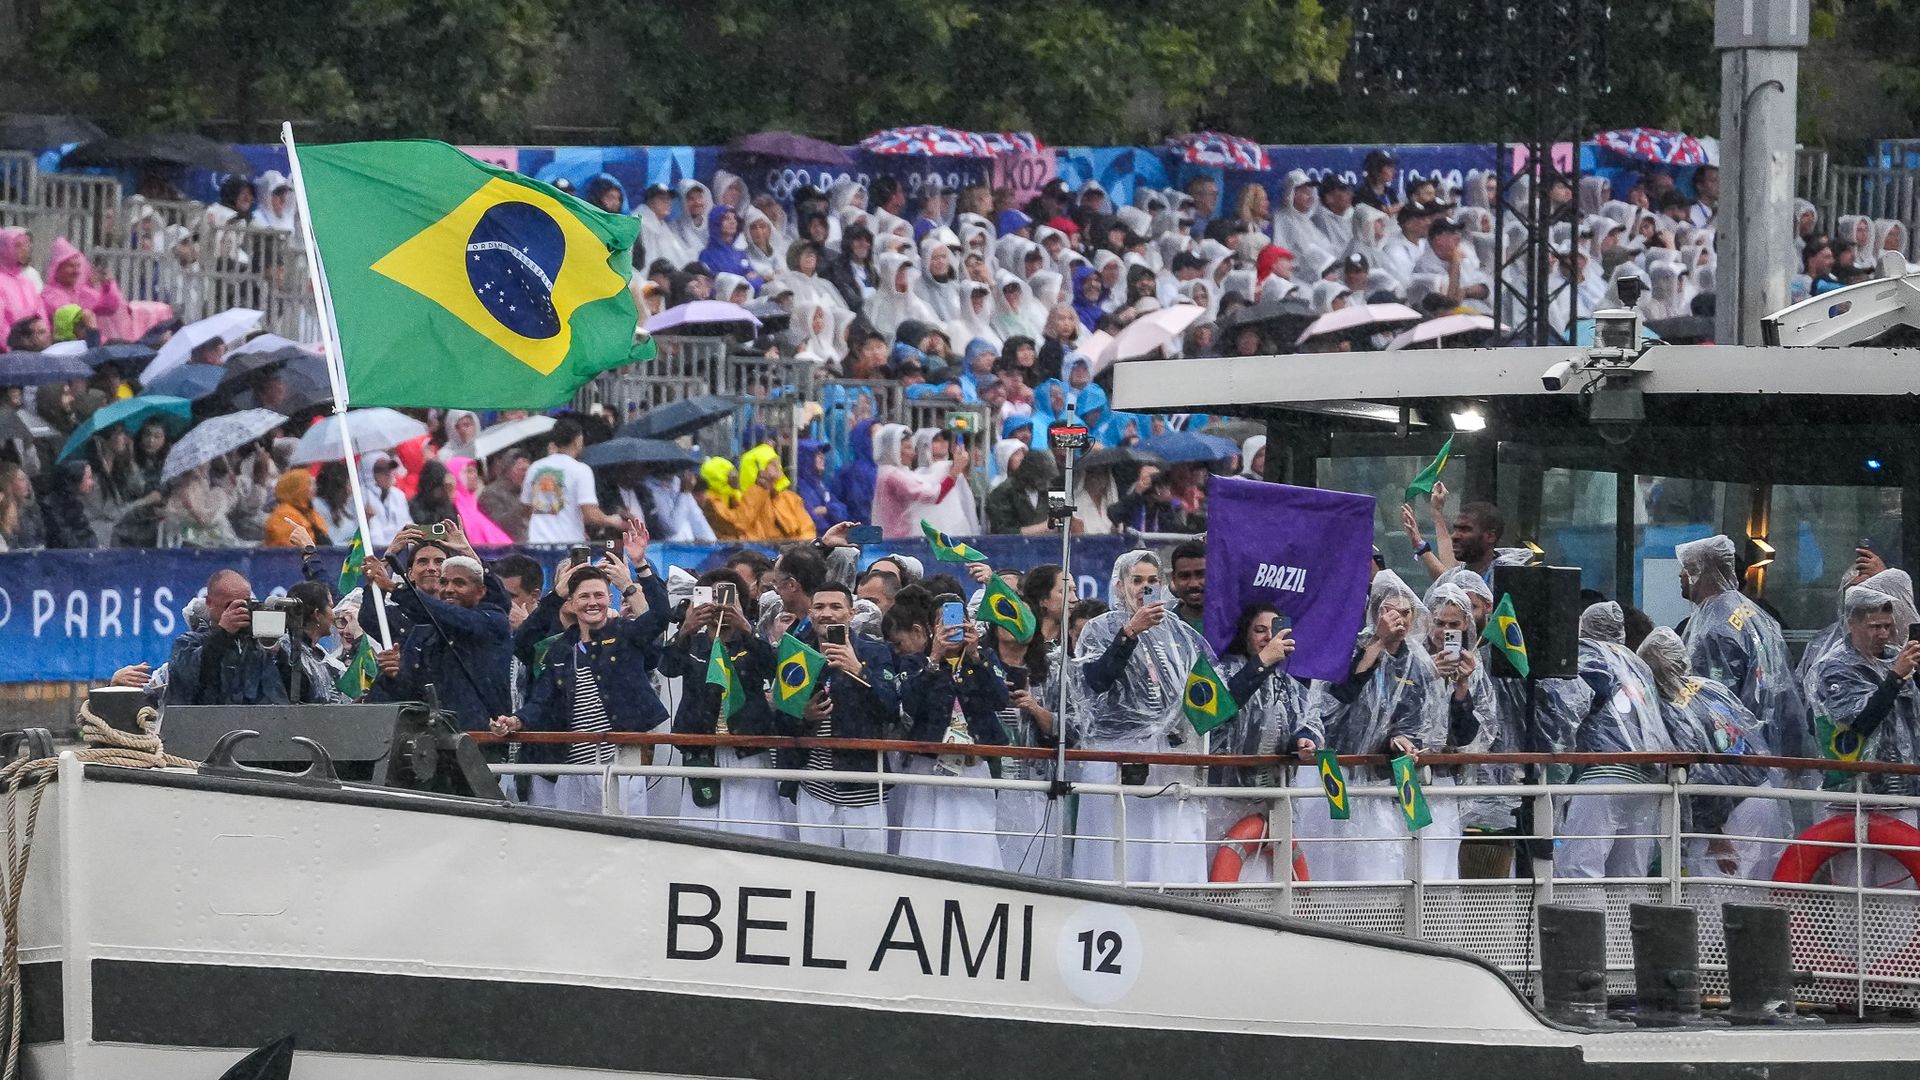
(725, 594)
(1155, 595)
(579, 554)
(1453, 639)
(437, 530)
(1017, 678)
(1913, 631)
(953, 617)
(863, 534)
(702, 595)
(834, 633)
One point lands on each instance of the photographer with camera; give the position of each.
(456, 638)
(232, 661)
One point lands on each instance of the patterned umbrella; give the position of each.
(928, 140)
(1647, 144)
(216, 436)
(1220, 150)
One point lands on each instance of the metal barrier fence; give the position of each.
(1855, 925)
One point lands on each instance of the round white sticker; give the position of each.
(1099, 953)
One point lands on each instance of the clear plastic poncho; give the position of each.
(1843, 683)
(1703, 717)
(1624, 715)
(1264, 725)
(1400, 695)
(1733, 642)
(1142, 711)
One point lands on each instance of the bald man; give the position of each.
(224, 664)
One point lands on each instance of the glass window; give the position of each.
(1669, 511)
(1577, 523)
(1814, 531)
(1386, 479)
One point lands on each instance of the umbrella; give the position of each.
(182, 148)
(231, 326)
(1359, 320)
(39, 368)
(500, 436)
(683, 417)
(14, 426)
(301, 396)
(40, 131)
(700, 312)
(1150, 332)
(1445, 326)
(176, 412)
(372, 429)
(1109, 456)
(129, 358)
(928, 140)
(1652, 144)
(216, 436)
(192, 382)
(773, 318)
(1220, 150)
(1236, 431)
(273, 1061)
(630, 451)
(786, 146)
(267, 353)
(1683, 330)
(1188, 446)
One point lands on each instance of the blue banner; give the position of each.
(73, 616)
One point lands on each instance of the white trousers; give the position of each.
(747, 807)
(1171, 833)
(947, 824)
(1440, 840)
(1618, 832)
(1371, 845)
(587, 794)
(855, 828)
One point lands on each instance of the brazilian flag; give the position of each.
(1838, 743)
(720, 673)
(361, 671)
(1207, 702)
(1333, 780)
(1003, 608)
(1413, 801)
(797, 670)
(1429, 476)
(350, 568)
(458, 283)
(1503, 633)
(947, 549)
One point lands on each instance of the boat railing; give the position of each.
(1843, 858)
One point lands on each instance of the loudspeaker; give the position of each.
(357, 737)
(1546, 599)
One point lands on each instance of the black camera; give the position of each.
(271, 617)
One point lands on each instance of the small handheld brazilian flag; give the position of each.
(1207, 702)
(1423, 483)
(1413, 801)
(720, 673)
(1333, 781)
(1503, 633)
(947, 549)
(350, 578)
(1838, 743)
(797, 671)
(1002, 607)
(455, 282)
(361, 671)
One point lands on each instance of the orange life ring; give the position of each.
(1231, 856)
(1799, 863)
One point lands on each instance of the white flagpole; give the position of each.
(336, 371)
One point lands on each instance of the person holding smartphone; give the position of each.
(746, 807)
(953, 696)
(1134, 661)
(1271, 703)
(1467, 723)
(858, 699)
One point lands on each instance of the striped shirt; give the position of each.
(820, 759)
(589, 714)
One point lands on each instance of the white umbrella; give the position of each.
(1149, 332)
(269, 343)
(1444, 326)
(216, 436)
(1355, 317)
(500, 436)
(230, 326)
(372, 429)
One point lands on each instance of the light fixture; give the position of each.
(1759, 553)
(1469, 419)
(1874, 464)
(1538, 553)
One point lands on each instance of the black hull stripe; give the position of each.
(647, 1031)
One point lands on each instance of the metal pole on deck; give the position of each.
(1069, 435)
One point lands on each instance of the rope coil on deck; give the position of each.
(106, 745)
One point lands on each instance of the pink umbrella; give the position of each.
(1149, 332)
(1355, 318)
(1443, 327)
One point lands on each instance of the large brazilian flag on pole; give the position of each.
(459, 284)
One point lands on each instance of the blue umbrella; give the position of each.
(129, 358)
(38, 369)
(176, 413)
(631, 451)
(1180, 447)
(192, 381)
